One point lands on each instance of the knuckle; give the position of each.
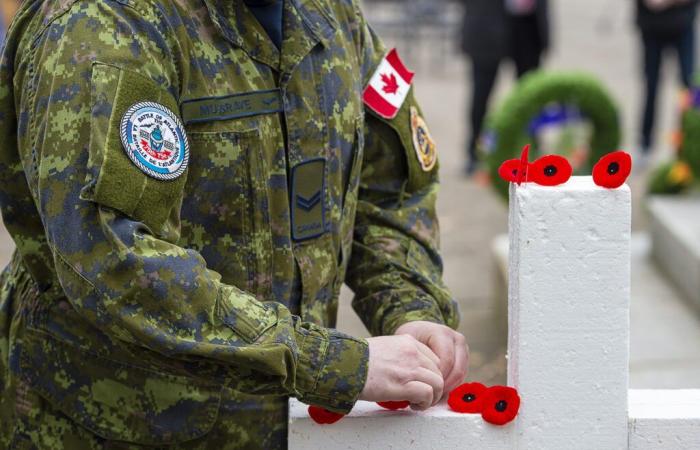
(405, 376)
(410, 351)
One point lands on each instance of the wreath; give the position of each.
(543, 101)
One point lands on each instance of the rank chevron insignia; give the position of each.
(307, 204)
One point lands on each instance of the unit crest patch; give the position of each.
(155, 140)
(423, 143)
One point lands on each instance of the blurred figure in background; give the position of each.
(664, 24)
(8, 8)
(492, 31)
(529, 36)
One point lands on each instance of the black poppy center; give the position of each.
(550, 170)
(613, 168)
(469, 397)
(501, 405)
(515, 171)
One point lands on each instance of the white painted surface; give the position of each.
(673, 221)
(370, 426)
(569, 314)
(568, 339)
(664, 419)
(664, 330)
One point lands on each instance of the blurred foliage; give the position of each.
(690, 141)
(508, 126)
(670, 178)
(678, 175)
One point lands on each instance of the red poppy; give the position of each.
(509, 170)
(394, 405)
(467, 398)
(323, 416)
(550, 170)
(515, 170)
(524, 166)
(612, 170)
(500, 405)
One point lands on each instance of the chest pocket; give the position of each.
(224, 213)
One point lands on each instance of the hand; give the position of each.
(401, 368)
(449, 346)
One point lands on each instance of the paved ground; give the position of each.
(591, 35)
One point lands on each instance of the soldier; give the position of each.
(188, 184)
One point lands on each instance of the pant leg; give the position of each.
(652, 53)
(685, 46)
(483, 79)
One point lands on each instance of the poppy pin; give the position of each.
(612, 169)
(393, 406)
(500, 405)
(323, 416)
(549, 170)
(467, 398)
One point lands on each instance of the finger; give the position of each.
(430, 355)
(459, 369)
(419, 394)
(434, 380)
(426, 363)
(443, 345)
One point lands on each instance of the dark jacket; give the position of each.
(671, 21)
(486, 28)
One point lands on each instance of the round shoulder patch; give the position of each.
(423, 143)
(155, 140)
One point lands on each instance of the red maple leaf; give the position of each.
(390, 84)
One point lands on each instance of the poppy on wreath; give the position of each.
(612, 169)
(467, 398)
(500, 405)
(323, 416)
(393, 406)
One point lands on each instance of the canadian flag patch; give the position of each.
(389, 86)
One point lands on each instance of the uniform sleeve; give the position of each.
(396, 269)
(114, 230)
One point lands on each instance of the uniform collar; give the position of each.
(305, 25)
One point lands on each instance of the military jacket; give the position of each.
(158, 311)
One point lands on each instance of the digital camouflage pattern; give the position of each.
(183, 314)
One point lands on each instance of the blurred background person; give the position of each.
(485, 40)
(8, 8)
(663, 24)
(493, 31)
(529, 33)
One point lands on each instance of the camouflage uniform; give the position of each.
(183, 313)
